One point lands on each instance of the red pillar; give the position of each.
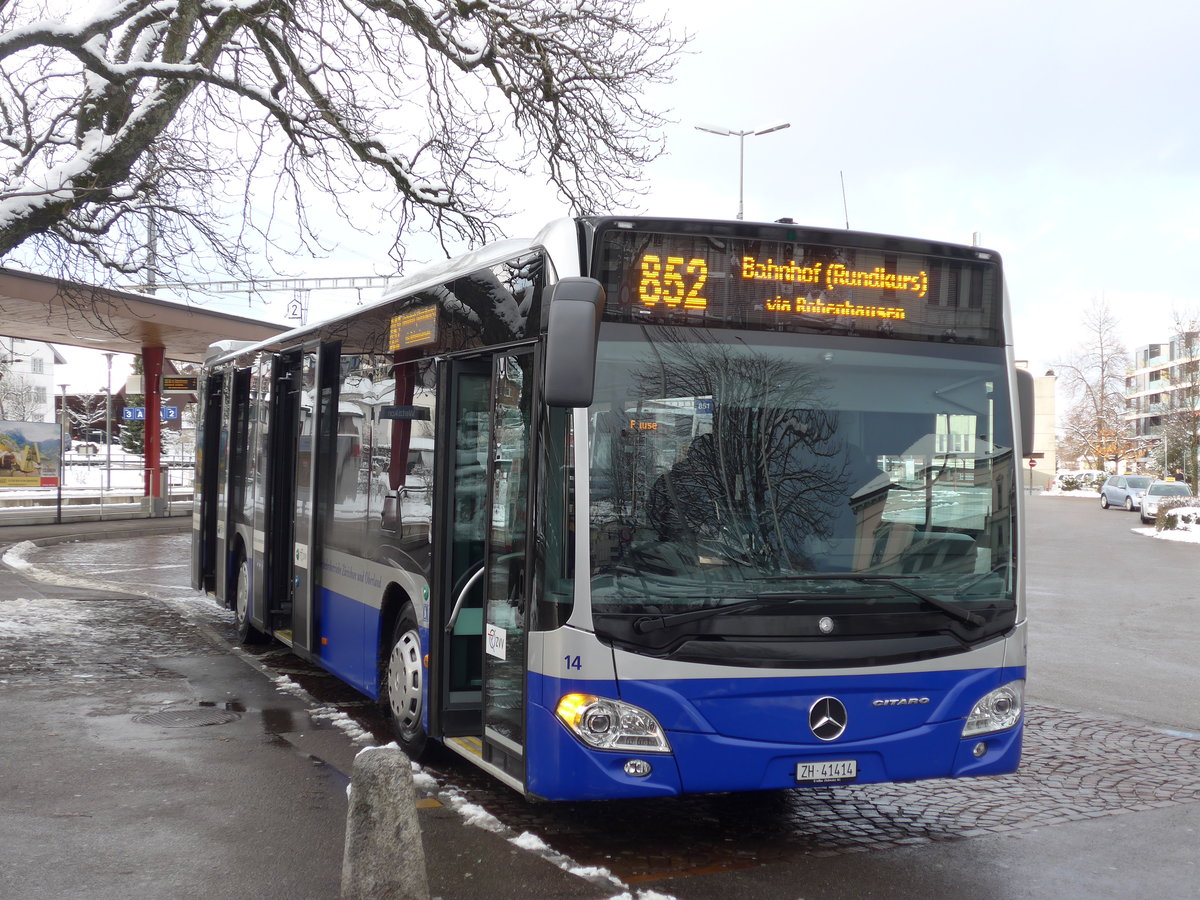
(152, 367)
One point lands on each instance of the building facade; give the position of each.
(27, 380)
(1044, 452)
(1162, 392)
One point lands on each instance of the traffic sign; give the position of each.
(1032, 463)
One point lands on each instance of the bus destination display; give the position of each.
(413, 328)
(777, 285)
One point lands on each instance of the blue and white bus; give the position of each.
(644, 506)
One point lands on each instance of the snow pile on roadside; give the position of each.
(1187, 528)
(1058, 492)
(16, 556)
(476, 815)
(343, 722)
(1188, 516)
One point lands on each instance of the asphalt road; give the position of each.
(1107, 804)
(1114, 615)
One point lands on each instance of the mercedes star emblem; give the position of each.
(827, 718)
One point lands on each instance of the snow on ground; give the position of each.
(476, 815)
(17, 556)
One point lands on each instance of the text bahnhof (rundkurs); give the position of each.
(677, 281)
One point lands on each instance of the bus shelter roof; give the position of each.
(56, 311)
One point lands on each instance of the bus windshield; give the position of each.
(728, 466)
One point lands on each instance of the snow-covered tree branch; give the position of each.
(207, 123)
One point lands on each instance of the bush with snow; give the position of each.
(1178, 514)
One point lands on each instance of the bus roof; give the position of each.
(564, 240)
(560, 237)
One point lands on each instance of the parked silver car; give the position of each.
(1158, 492)
(1124, 490)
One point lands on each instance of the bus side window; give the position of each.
(554, 565)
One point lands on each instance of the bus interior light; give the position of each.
(997, 710)
(610, 724)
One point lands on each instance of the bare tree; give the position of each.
(85, 411)
(19, 401)
(140, 130)
(1094, 376)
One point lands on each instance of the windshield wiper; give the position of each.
(893, 581)
(646, 624)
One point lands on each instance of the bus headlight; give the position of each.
(996, 710)
(610, 724)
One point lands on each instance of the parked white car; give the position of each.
(1158, 492)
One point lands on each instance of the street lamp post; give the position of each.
(63, 432)
(741, 136)
(108, 425)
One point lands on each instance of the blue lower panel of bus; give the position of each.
(348, 640)
(752, 734)
(559, 767)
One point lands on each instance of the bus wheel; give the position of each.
(400, 692)
(246, 632)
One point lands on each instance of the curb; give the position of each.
(46, 535)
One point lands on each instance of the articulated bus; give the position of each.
(645, 506)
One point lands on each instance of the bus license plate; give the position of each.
(831, 770)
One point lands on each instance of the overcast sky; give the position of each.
(1063, 133)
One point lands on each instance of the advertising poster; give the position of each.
(30, 454)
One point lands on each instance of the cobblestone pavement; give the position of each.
(1076, 766)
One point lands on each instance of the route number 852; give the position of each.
(676, 283)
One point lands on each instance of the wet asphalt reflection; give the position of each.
(1076, 766)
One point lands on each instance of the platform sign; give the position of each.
(138, 413)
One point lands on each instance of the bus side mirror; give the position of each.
(571, 334)
(1025, 402)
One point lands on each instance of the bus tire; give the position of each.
(400, 689)
(246, 632)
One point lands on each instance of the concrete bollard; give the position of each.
(383, 856)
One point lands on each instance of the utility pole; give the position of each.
(108, 424)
